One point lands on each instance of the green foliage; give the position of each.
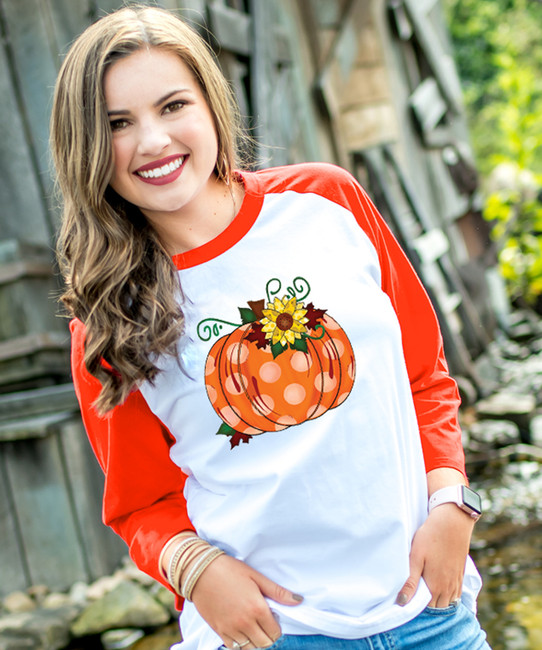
(517, 218)
(498, 46)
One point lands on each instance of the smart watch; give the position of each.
(468, 500)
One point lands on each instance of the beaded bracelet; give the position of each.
(174, 560)
(199, 566)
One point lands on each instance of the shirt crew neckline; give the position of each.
(235, 231)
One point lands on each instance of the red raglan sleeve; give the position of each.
(143, 493)
(435, 393)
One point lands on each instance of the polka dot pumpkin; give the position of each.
(256, 387)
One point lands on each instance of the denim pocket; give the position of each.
(449, 610)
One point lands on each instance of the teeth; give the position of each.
(159, 172)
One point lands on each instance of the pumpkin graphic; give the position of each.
(284, 365)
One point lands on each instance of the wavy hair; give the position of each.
(119, 280)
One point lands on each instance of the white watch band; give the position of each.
(449, 494)
(452, 494)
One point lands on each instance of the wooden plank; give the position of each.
(366, 85)
(431, 245)
(51, 542)
(27, 345)
(427, 105)
(13, 570)
(231, 28)
(22, 215)
(103, 549)
(440, 61)
(64, 20)
(367, 126)
(33, 74)
(193, 11)
(27, 428)
(30, 403)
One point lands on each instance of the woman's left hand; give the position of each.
(439, 552)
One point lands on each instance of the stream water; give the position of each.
(507, 548)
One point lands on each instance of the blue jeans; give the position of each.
(450, 628)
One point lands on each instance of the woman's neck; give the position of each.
(200, 224)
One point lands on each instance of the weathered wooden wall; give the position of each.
(368, 84)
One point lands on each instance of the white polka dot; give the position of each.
(270, 372)
(294, 394)
(301, 361)
(230, 417)
(235, 384)
(211, 393)
(325, 383)
(210, 365)
(286, 420)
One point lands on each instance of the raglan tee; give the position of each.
(295, 428)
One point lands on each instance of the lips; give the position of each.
(161, 171)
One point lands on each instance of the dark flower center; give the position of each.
(285, 321)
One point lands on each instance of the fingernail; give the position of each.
(297, 598)
(401, 600)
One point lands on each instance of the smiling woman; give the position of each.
(274, 473)
(164, 137)
(133, 318)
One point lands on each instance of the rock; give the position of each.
(78, 593)
(536, 430)
(467, 390)
(102, 586)
(119, 639)
(504, 405)
(494, 433)
(18, 601)
(38, 592)
(163, 638)
(8, 642)
(131, 572)
(56, 601)
(128, 605)
(165, 598)
(46, 629)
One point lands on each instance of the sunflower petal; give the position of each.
(297, 327)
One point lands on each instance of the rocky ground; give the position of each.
(124, 610)
(503, 439)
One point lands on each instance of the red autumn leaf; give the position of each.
(237, 438)
(314, 316)
(257, 336)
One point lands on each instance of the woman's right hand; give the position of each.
(230, 596)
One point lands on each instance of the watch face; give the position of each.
(472, 499)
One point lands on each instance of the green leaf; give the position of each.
(277, 349)
(225, 430)
(300, 344)
(247, 315)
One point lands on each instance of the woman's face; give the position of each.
(164, 139)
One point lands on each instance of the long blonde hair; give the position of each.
(120, 282)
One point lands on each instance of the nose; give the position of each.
(153, 138)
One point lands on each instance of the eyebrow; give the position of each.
(156, 103)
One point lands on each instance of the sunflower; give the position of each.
(284, 321)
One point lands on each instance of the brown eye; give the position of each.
(118, 125)
(175, 106)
